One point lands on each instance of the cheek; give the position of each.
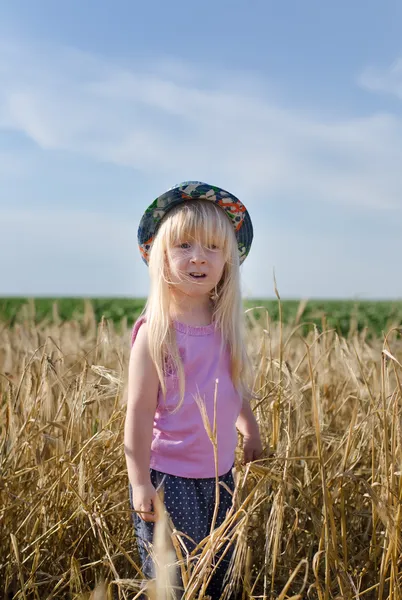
(219, 268)
(177, 265)
(171, 265)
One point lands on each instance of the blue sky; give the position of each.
(293, 106)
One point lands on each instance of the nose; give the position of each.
(198, 255)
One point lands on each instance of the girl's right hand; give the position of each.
(144, 501)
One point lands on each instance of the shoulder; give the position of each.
(139, 338)
(143, 381)
(141, 363)
(140, 324)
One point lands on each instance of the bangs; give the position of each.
(202, 221)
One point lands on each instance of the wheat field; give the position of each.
(319, 516)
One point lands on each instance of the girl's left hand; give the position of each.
(252, 448)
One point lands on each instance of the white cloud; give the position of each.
(388, 80)
(86, 254)
(69, 253)
(165, 119)
(171, 120)
(322, 263)
(13, 165)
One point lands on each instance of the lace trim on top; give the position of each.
(194, 329)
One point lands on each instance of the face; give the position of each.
(195, 269)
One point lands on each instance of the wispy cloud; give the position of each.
(385, 80)
(68, 252)
(78, 252)
(13, 166)
(171, 118)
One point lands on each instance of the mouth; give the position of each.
(197, 275)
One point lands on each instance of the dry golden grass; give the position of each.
(319, 517)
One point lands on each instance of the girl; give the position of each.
(193, 237)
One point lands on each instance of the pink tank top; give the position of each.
(180, 443)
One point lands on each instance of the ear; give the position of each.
(213, 294)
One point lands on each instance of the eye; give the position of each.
(213, 247)
(184, 245)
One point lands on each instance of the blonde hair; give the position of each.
(207, 223)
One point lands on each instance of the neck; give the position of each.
(191, 311)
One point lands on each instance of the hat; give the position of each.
(195, 190)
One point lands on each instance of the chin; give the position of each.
(192, 293)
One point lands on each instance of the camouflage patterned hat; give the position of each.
(195, 190)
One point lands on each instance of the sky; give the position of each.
(293, 106)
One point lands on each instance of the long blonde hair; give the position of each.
(207, 223)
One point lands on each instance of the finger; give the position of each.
(146, 513)
(257, 453)
(247, 456)
(147, 516)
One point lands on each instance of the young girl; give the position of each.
(193, 237)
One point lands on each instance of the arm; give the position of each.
(142, 397)
(248, 427)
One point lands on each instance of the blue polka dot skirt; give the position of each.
(190, 504)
